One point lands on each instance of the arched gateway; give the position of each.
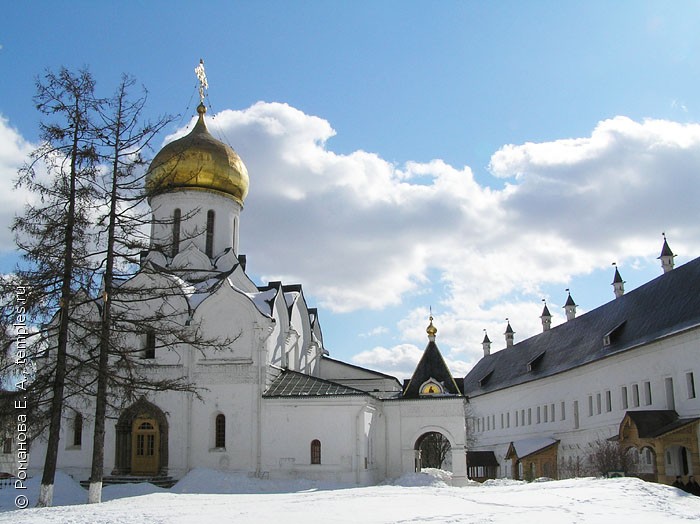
(141, 441)
(433, 450)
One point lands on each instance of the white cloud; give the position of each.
(360, 232)
(379, 330)
(400, 361)
(14, 152)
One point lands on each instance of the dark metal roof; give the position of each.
(654, 423)
(569, 301)
(295, 384)
(668, 304)
(666, 250)
(481, 458)
(431, 365)
(617, 278)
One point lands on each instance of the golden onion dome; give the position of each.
(198, 161)
(431, 330)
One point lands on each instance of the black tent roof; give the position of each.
(667, 305)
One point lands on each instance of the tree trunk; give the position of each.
(47, 479)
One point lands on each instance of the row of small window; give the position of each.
(209, 244)
(596, 404)
(634, 398)
(524, 417)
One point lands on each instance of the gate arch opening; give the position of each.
(433, 450)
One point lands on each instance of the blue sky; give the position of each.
(475, 157)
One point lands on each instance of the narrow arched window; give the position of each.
(150, 349)
(233, 240)
(177, 218)
(220, 431)
(209, 248)
(7, 445)
(315, 451)
(78, 430)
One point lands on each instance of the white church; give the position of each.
(272, 402)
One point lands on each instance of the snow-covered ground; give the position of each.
(206, 496)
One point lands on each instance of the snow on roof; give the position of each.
(263, 300)
(528, 446)
(291, 297)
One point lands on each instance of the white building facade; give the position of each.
(269, 402)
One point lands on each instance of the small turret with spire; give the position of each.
(617, 283)
(546, 317)
(431, 330)
(570, 307)
(666, 256)
(486, 344)
(510, 335)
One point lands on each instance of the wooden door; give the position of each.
(145, 447)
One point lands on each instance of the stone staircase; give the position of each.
(161, 481)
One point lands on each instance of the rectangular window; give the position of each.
(598, 404)
(690, 380)
(576, 423)
(209, 245)
(608, 401)
(508, 419)
(502, 426)
(493, 421)
(529, 416)
(546, 413)
(635, 395)
(625, 404)
(488, 423)
(563, 410)
(522, 417)
(150, 349)
(516, 419)
(670, 397)
(551, 412)
(647, 393)
(590, 405)
(538, 415)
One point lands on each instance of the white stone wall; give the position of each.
(347, 427)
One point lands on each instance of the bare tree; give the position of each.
(609, 456)
(434, 449)
(54, 235)
(123, 139)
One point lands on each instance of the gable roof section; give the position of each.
(294, 384)
(668, 304)
(431, 365)
(529, 446)
(655, 423)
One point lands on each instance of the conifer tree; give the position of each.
(54, 234)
